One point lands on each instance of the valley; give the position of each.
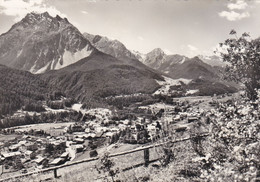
(76, 106)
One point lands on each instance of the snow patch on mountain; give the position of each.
(19, 53)
(42, 70)
(70, 57)
(183, 60)
(212, 60)
(140, 56)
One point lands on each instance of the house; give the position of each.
(177, 118)
(90, 135)
(14, 148)
(115, 129)
(151, 128)
(87, 130)
(28, 153)
(26, 137)
(101, 129)
(122, 126)
(22, 143)
(77, 128)
(40, 160)
(77, 148)
(31, 146)
(57, 161)
(79, 140)
(109, 134)
(180, 129)
(65, 155)
(192, 119)
(99, 134)
(11, 155)
(39, 141)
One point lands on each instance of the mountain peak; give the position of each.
(196, 59)
(213, 60)
(157, 51)
(24, 45)
(111, 47)
(35, 18)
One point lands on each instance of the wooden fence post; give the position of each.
(55, 173)
(2, 169)
(146, 157)
(258, 175)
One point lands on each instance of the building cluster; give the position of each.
(37, 151)
(32, 153)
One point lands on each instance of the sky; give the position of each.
(186, 27)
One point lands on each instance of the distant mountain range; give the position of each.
(86, 66)
(40, 43)
(212, 60)
(175, 66)
(111, 47)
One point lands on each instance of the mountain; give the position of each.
(194, 68)
(158, 60)
(67, 60)
(205, 74)
(176, 66)
(212, 60)
(179, 66)
(40, 42)
(155, 58)
(116, 49)
(101, 75)
(111, 47)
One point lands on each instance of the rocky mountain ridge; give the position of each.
(40, 42)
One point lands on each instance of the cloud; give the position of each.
(233, 16)
(240, 4)
(84, 12)
(192, 48)
(19, 8)
(140, 38)
(240, 13)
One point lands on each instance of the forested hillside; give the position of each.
(19, 88)
(101, 75)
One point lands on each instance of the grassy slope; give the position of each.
(86, 171)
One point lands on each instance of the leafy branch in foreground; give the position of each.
(243, 57)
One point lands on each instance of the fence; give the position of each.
(146, 158)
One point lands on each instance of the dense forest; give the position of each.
(21, 88)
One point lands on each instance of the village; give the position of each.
(37, 146)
